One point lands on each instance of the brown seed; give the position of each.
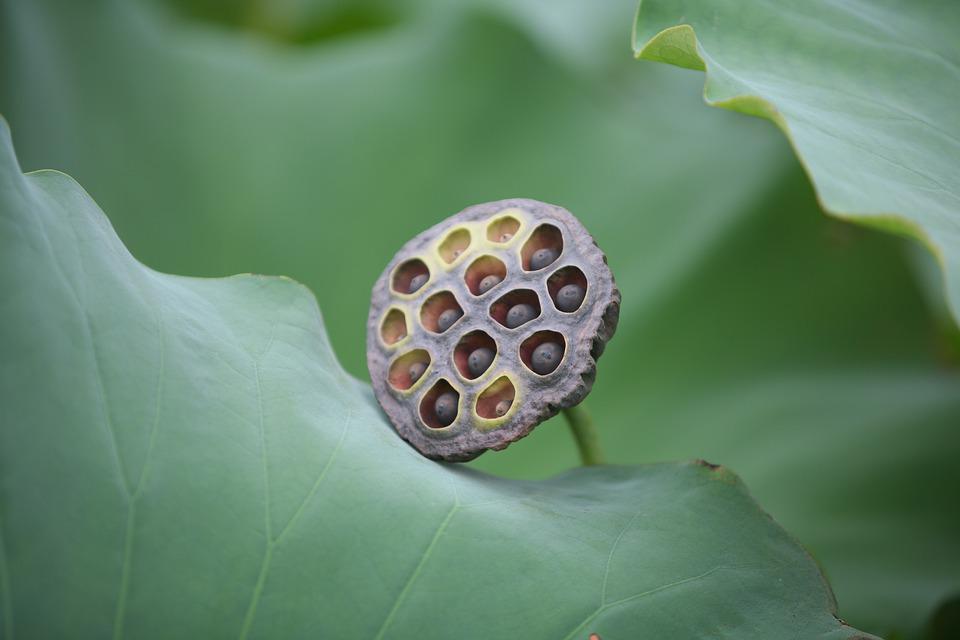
(541, 258)
(489, 282)
(416, 370)
(520, 314)
(546, 357)
(447, 318)
(445, 408)
(417, 281)
(570, 297)
(479, 361)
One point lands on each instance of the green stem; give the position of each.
(585, 434)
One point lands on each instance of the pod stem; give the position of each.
(584, 434)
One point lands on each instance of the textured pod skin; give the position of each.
(401, 327)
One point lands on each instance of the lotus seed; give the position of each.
(546, 357)
(447, 318)
(570, 297)
(541, 258)
(479, 361)
(505, 236)
(417, 281)
(445, 408)
(520, 314)
(502, 407)
(416, 370)
(489, 282)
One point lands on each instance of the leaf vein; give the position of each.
(268, 551)
(6, 599)
(319, 481)
(417, 570)
(613, 549)
(120, 614)
(637, 596)
(104, 405)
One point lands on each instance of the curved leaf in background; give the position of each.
(793, 347)
(185, 458)
(866, 92)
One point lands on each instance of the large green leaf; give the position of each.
(755, 332)
(866, 91)
(185, 458)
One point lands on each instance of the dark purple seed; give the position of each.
(447, 318)
(546, 357)
(520, 314)
(445, 408)
(489, 282)
(416, 370)
(570, 297)
(479, 361)
(541, 258)
(417, 281)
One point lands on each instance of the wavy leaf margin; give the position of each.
(680, 45)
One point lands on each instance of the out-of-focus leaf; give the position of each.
(866, 91)
(185, 458)
(754, 331)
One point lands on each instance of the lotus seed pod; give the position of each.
(447, 318)
(546, 357)
(488, 369)
(418, 281)
(569, 297)
(520, 314)
(489, 282)
(542, 257)
(479, 361)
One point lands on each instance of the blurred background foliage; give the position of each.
(311, 138)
